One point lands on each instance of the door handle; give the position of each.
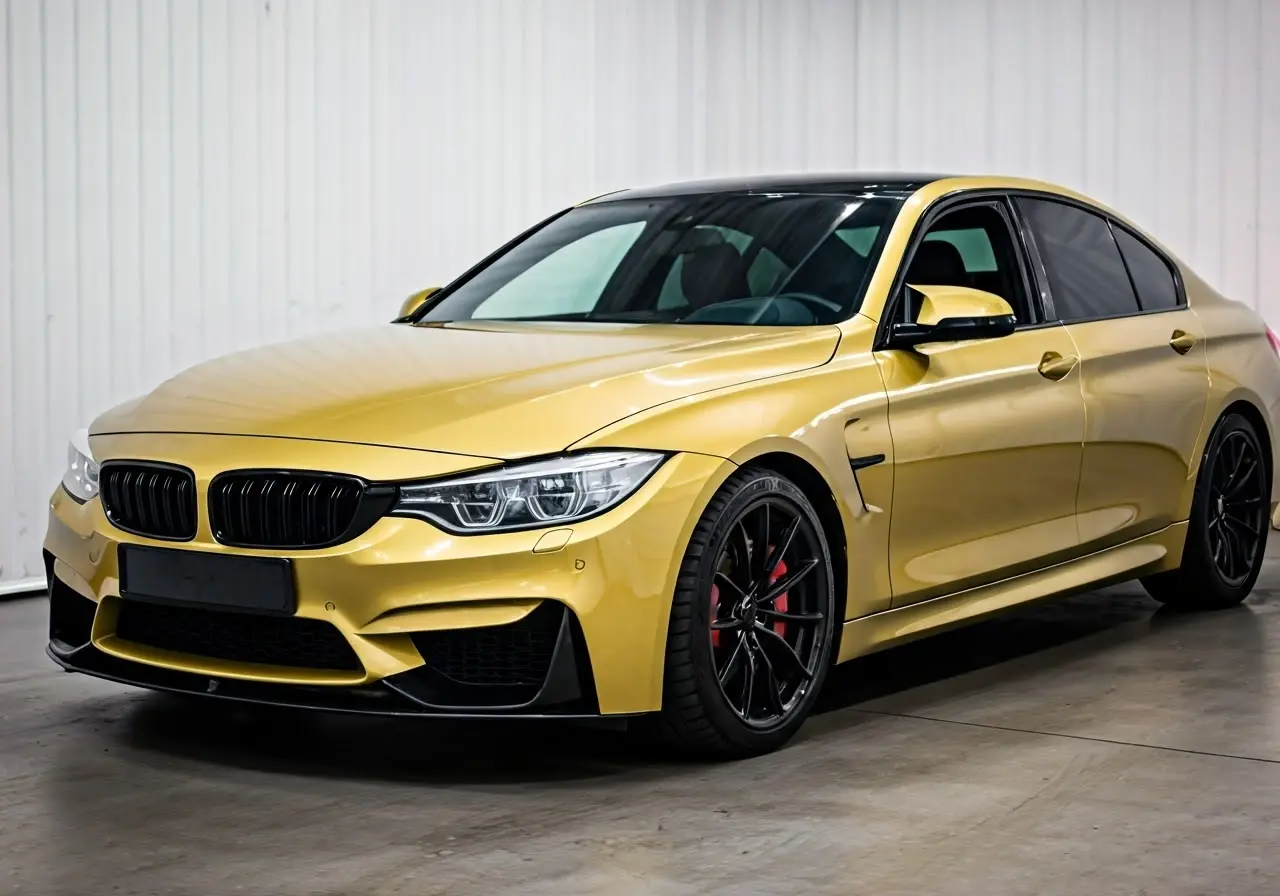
(1182, 341)
(1054, 366)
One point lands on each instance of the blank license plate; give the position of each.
(256, 584)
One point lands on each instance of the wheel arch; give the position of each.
(1248, 406)
(1251, 412)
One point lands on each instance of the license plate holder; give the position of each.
(213, 581)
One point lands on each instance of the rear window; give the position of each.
(1151, 275)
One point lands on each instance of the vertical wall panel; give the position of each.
(28, 282)
(155, 123)
(186, 271)
(1268, 193)
(183, 179)
(124, 329)
(11, 564)
(61, 314)
(244, 162)
(1240, 135)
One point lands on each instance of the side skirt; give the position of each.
(1149, 554)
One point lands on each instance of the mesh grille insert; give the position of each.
(237, 637)
(515, 654)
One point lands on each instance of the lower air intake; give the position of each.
(237, 637)
(514, 655)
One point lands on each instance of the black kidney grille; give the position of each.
(285, 509)
(515, 654)
(155, 500)
(294, 641)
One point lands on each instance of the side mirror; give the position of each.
(954, 314)
(414, 302)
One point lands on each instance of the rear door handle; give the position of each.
(1182, 341)
(1054, 366)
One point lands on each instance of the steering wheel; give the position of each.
(785, 309)
(813, 301)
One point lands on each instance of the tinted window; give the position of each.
(973, 247)
(1080, 256)
(1151, 276)
(781, 260)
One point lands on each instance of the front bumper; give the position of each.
(585, 621)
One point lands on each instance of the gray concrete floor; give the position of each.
(1092, 746)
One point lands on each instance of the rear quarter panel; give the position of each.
(1242, 364)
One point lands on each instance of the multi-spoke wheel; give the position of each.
(752, 622)
(1230, 518)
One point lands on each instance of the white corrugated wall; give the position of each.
(180, 178)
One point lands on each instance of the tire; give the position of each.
(1226, 541)
(698, 717)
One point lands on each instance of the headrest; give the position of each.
(937, 263)
(713, 273)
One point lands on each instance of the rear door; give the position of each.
(1143, 367)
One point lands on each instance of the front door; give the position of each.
(1143, 367)
(986, 434)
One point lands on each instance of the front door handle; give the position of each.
(1054, 366)
(1182, 341)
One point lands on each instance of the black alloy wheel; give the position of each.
(1238, 502)
(1229, 523)
(769, 622)
(753, 621)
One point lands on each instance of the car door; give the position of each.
(986, 434)
(1143, 365)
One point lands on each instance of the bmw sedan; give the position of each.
(671, 454)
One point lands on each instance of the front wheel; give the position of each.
(1227, 531)
(752, 621)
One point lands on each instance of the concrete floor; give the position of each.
(1092, 746)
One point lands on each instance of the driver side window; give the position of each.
(972, 246)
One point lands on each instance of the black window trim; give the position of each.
(1112, 225)
(998, 199)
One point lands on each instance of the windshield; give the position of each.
(763, 260)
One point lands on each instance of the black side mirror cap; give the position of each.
(951, 329)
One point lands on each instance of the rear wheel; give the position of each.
(1227, 531)
(752, 621)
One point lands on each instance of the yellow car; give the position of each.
(672, 453)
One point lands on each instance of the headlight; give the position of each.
(81, 478)
(530, 495)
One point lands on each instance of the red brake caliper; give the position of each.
(779, 603)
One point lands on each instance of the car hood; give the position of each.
(498, 390)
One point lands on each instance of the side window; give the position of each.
(570, 279)
(1151, 275)
(974, 247)
(1086, 273)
